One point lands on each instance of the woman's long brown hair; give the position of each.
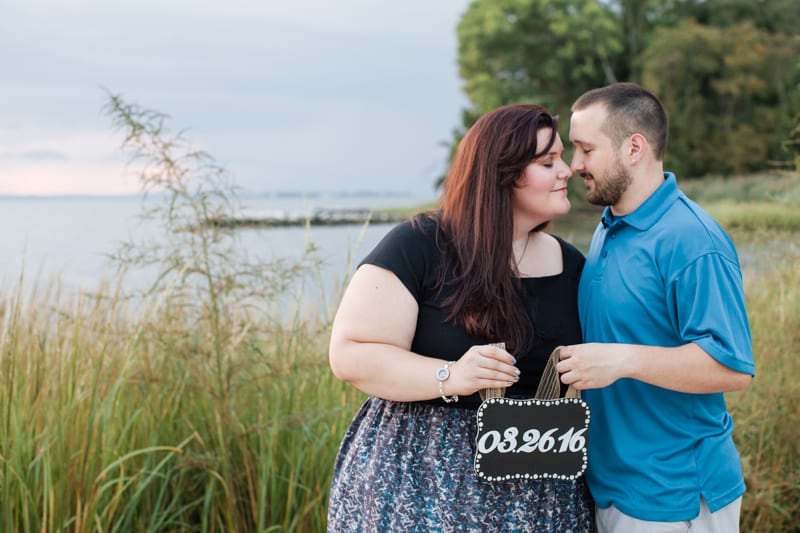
(476, 216)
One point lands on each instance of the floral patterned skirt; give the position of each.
(408, 467)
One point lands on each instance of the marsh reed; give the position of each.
(120, 418)
(767, 414)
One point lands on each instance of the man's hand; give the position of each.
(593, 365)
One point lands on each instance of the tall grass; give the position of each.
(112, 419)
(767, 414)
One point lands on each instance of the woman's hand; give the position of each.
(482, 367)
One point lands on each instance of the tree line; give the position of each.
(727, 71)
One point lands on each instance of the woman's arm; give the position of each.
(371, 340)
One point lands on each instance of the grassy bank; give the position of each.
(754, 203)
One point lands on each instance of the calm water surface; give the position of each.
(70, 238)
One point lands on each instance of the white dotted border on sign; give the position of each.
(509, 477)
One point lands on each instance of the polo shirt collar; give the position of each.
(652, 209)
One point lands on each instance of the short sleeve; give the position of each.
(409, 252)
(710, 307)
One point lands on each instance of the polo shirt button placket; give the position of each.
(611, 235)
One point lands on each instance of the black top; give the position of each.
(551, 303)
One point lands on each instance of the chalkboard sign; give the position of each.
(531, 439)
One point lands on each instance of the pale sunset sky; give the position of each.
(301, 95)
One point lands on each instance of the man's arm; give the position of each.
(686, 368)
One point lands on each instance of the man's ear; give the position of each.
(637, 147)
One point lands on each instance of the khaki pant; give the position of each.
(725, 520)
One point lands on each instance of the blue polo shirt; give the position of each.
(665, 275)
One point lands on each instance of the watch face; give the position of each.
(442, 374)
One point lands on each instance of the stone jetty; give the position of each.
(317, 217)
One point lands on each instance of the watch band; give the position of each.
(442, 375)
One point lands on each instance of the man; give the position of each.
(666, 330)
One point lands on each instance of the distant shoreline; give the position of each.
(319, 217)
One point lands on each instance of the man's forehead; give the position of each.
(586, 121)
(593, 112)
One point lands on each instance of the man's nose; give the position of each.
(576, 164)
(566, 171)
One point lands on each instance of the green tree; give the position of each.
(730, 86)
(522, 50)
(792, 144)
(543, 51)
(725, 91)
(773, 16)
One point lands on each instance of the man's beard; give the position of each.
(610, 186)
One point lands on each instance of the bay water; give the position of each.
(68, 239)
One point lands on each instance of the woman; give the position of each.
(417, 327)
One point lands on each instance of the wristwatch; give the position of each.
(442, 375)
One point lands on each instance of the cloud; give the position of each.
(353, 94)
